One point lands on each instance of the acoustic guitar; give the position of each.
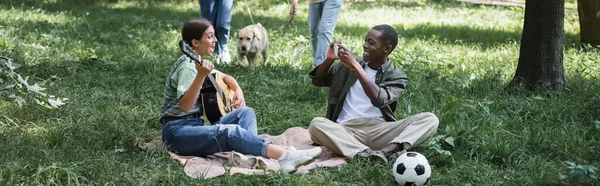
(215, 103)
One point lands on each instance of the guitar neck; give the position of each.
(188, 51)
(214, 82)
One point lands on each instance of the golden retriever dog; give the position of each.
(252, 40)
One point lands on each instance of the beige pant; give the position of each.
(359, 134)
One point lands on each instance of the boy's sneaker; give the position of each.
(292, 158)
(376, 156)
(393, 156)
(246, 161)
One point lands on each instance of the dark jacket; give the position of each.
(339, 79)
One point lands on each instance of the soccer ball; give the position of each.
(411, 168)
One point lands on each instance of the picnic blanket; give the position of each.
(217, 164)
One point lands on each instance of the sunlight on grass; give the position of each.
(38, 131)
(181, 7)
(280, 10)
(436, 14)
(5, 104)
(32, 14)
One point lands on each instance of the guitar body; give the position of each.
(216, 104)
(225, 106)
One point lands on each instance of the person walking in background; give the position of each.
(219, 13)
(322, 17)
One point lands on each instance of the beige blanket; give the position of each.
(216, 165)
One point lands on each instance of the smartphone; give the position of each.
(335, 50)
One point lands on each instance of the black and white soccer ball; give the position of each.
(411, 168)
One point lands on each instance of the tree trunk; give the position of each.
(541, 56)
(589, 21)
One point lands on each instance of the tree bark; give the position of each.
(541, 55)
(589, 21)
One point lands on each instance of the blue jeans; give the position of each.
(189, 136)
(219, 13)
(322, 18)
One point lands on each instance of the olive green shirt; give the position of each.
(390, 80)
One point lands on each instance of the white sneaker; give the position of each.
(246, 161)
(224, 56)
(292, 158)
(218, 59)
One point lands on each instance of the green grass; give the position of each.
(112, 57)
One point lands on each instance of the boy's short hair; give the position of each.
(194, 29)
(389, 34)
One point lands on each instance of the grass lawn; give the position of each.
(111, 59)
